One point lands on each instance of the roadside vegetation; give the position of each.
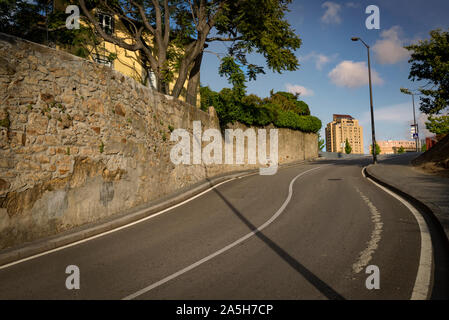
(430, 63)
(348, 148)
(282, 109)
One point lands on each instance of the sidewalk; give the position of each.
(431, 190)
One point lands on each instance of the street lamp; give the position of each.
(415, 125)
(373, 131)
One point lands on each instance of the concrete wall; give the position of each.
(80, 142)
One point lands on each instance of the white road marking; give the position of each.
(120, 228)
(213, 255)
(422, 285)
(124, 226)
(367, 254)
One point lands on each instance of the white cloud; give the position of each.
(422, 119)
(353, 74)
(332, 13)
(423, 132)
(320, 59)
(297, 89)
(352, 5)
(397, 113)
(399, 116)
(390, 49)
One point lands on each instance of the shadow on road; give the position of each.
(320, 285)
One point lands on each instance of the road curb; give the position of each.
(28, 250)
(431, 211)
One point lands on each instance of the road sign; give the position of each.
(415, 136)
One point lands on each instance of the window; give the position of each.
(102, 60)
(106, 23)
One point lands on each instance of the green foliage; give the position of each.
(23, 18)
(377, 149)
(401, 150)
(289, 119)
(321, 143)
(424, 148)
(101, 147)
(112, 56)
(261, 27)
(40, 22)
(438, 125)
(286, 101)
(4, 122)
(348, 148)
(232, 71)
(252, 110)
(430, 62)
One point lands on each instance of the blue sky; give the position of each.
(333, 73)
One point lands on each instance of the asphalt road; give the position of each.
(317, 240)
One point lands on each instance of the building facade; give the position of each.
(393, 146)
(342, 128)
(127, 62)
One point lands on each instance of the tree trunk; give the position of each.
(162, 86)
(188, 60)
(194, 81)
(182, 77)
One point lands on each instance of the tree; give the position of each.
(39, 22)
(377, 149)
(438, 125)
(231, 106)
(430, 62)
(171, 35)
(287, 101)
(401, 150)
(321, 142)
(348, 148)
(232, 71)
(24, 18)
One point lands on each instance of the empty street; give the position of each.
(308, 232)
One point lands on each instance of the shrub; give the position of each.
(282, 109)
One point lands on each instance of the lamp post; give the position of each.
(373, 130)
(415, 125)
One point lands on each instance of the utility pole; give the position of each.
(415, 125)
(373, 130)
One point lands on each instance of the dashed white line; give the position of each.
(421, 289)
(367, 254)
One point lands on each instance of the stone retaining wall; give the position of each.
(80, 142)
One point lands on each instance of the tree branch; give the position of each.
(144, 18)
(120, 42)
(193, 15)
(166, 23)
(223, 39)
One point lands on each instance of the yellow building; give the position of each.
(125, 61)
(341, 128)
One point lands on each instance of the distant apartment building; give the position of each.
(341, 128)
(392, 146)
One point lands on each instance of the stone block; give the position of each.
(37, 124)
